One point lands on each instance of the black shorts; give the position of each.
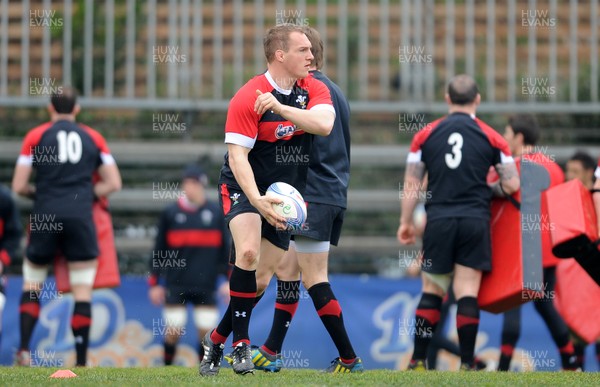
(234, 202)
(181, 295)
(465, 241)
(49, 235)
(323, 223)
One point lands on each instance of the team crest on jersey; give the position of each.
(301, 100)
(235, 198)
(206, 216)
(284, 131)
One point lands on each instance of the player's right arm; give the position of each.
(11, 237)
(244, 176)
(413, 181)
(24, 165)
(20, 181)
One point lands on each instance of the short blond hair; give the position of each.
(277, 38)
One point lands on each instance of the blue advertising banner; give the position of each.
(127, 329)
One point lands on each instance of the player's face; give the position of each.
(511, 139)
(575, 170)
(297, 59)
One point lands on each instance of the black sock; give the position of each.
(554, 321)
(169, 353)
(286, 303)
(579, 348)
(80, 325)
(426, 318)
(467, 325)
(330, 312)
(29, 311)
(511, 330)
(224, 329)
(220, 334)
(242, 289)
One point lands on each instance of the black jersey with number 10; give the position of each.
(65, 156)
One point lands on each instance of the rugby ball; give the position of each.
(292, 206)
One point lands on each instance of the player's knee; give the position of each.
(84, 276)
(436, 283)
(33, 274)
(248, 255)
(206, 318)
(309, 280)
(174, 318)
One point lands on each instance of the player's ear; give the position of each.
(50, 109)
(447, 99)
(76, 109)
(279, 55)
(477, 99)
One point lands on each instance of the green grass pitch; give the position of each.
(180, 376)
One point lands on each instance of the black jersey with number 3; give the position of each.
(64, 155)
(458, 151)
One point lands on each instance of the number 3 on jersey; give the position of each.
(69, 147)
(453, 159)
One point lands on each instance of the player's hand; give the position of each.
(406, 234)
(266, 101)
(157, 295)
(264, 205)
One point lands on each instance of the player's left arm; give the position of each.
(110, 180)
(317, 118)
(509, 181)
(110, 177)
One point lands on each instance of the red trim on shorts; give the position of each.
(226, 199)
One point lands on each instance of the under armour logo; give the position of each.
(287, 324)
(240, 314)
(79, 339)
